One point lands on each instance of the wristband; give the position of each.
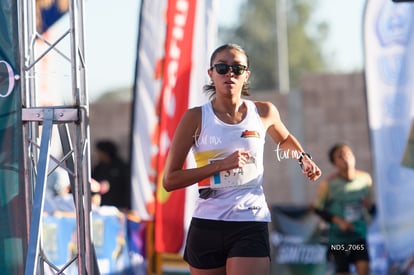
(301, 157)
(325, 215)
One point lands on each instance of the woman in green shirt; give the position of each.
(345, 200)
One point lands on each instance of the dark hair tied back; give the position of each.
(210, 89)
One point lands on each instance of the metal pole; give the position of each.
(282, 47)
(38, 201)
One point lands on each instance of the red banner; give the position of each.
(169, 226)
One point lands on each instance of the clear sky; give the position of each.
(111, 34)
(345, 42)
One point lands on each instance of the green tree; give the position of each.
(257, 34)
(115, 95)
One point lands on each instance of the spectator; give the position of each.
(112, 170)
(58, 197)
(345, 200)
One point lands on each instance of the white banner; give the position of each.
(389, 57)
(145, 118)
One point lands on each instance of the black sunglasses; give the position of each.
(237, 69)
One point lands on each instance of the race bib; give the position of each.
(353, 212)
(243, 177)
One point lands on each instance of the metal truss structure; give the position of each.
(71, 122)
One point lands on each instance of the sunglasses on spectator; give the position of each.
(237, 69)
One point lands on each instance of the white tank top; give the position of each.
(238, 193)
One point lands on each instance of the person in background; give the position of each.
(228, 233)
(96, 196)
(346, 200)
(113, 174)
(58, 197)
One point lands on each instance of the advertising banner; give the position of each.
(389, 46)
(12, 214)
(111, 241)
(297, 242)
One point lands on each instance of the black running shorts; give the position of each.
(211, 242)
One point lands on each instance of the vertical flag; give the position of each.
(204, 42)
(145, 124)
(173, 50)
(389, 47)
(174, 102)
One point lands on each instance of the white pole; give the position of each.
(282, 47)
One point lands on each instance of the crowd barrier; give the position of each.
(119, 243)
